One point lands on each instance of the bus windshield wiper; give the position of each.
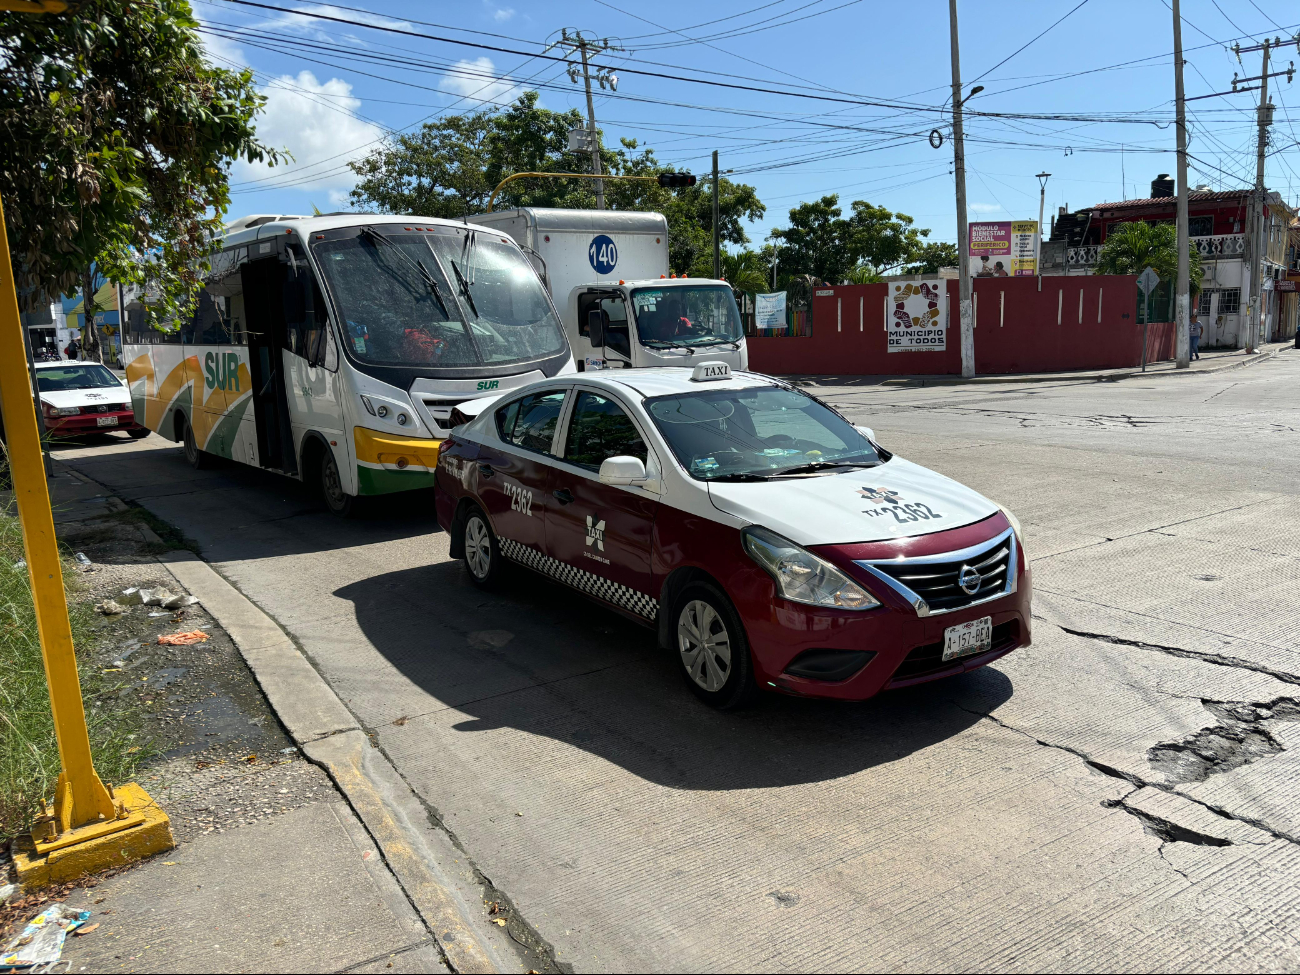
(429, 279)
(464, 288)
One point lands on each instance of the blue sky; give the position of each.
(1098, 85)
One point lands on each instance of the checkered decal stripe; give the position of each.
(588, 582)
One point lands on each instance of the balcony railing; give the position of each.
(1222, 245)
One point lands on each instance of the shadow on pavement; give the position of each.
(555, 665)
(235, 511)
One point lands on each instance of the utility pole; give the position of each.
(1182, 345)
(586, 47)
(959, 172)
(717, 255)
(1038, 242)
(1257, 240)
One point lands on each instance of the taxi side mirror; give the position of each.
(867, 432)
(622, 470)
(596, 328)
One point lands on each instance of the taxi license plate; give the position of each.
(968, 638)
(106, 421)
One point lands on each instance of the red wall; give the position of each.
(1016, 331)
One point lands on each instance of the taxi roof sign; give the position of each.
(710, 372)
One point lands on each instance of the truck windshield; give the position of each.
(758, 433)
(691, 315)
(437, 299)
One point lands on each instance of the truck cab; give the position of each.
(654, 322)
(615, 263)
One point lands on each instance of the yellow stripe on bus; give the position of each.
(394, 453)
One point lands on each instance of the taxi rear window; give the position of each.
(530, 422)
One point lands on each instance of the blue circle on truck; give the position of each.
(603, 254)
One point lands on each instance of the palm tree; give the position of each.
(864, 273)
(1134, 247)
(745, 271)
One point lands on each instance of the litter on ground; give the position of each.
(41, 941)
(183, 639)
(110, 607)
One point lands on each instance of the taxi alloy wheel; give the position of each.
(712, 648)
(482, 554)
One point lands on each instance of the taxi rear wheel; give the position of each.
(711, 647)
(482, 553)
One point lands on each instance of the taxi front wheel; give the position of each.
(482, 553)
(712, 648)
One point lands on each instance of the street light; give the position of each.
(1038, 240)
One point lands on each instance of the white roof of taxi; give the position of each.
(668, 380)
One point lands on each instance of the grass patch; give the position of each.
(29, 756)
(172, 537)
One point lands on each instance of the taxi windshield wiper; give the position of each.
(741, 476)
(822, 465)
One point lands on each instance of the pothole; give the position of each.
(1240, 737)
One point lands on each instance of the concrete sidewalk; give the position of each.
(275, 869)
(1211, 361)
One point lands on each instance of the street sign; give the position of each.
(1148, 280)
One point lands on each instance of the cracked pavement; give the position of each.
(1121, 796)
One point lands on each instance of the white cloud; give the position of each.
(223, 50)
(477, 81)
(984, 207)
(502, 15)
(303, 115)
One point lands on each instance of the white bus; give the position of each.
(335, 349)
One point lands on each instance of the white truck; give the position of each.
(607, 272)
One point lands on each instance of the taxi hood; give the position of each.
(897, 499)
(95, 396)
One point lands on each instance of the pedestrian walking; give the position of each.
(73, 349)
(1194, 329)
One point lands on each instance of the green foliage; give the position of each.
(746, 271)
(450, 167)
(118, 141)
(864, 274)
(29, 755)
(933, 256)
(1133, 247)
(822, 242)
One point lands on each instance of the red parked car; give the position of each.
(770, 542)
(78, 398)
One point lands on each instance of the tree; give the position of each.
(451, 166)
(822, 242)
(745, 271)
(118, 142)
(933, 256)
(864, 274)
(1133, 247)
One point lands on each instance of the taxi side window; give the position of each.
(600, 430)
(530, 422)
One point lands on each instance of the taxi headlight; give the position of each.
(802, 577)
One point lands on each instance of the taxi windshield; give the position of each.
(758, 433)
(57, 379)
(687, 316)
(451, 299)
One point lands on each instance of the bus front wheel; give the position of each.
(331, 488)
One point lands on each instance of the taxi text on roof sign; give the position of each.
(708, 371)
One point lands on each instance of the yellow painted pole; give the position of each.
(515, 176)
(80, 798)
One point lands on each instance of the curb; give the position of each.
(330, 736)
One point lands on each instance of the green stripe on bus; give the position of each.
(221, 440)
(382, 481)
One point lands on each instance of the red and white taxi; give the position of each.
(771, 542)
(78, 398)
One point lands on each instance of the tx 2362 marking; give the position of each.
(521, 499)
(905, 513)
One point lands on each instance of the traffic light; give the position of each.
(674, 180)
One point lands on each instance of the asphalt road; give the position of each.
(1120, 796)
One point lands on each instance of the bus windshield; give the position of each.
(437, 299)
(691, 315)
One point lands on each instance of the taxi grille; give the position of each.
(926, 660)
(934, 584)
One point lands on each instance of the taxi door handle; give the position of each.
(563, 496)
(485, 470)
